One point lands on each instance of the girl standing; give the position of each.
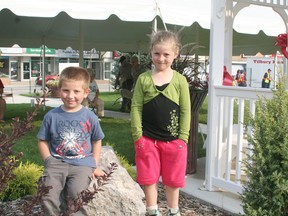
(160, 121)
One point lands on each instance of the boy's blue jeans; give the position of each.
(67, 178)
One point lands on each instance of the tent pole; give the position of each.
(154, 25)
(43, 72)
(43, 67)
(81, 44)
(160, 14)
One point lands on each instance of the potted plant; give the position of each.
(197, 78)
(2, 102)
(5, 79)
(52, 85)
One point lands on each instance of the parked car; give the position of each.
(47, 78)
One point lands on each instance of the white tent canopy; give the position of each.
(183, 13)
(119, 25)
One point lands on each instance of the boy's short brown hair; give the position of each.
(75, 73)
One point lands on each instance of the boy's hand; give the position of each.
(98, 173)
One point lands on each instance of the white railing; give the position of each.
(230, 146)
(269, 3)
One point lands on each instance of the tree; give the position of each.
(266, 191)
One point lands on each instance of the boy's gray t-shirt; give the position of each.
(70, 135)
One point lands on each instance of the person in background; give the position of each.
(160, 123)
(237, 75)
(1, 88)
(69, 142)
(137, 68)
(242, 79)
(125, 80)
(266, 79)
(93, 99)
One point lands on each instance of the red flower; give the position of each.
(281, 41)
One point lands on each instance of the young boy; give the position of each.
(69, 142)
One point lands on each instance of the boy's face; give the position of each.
(72, 94)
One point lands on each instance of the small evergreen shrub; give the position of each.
(125, 163)
(266, 191)
(131, 170)
(24, 182)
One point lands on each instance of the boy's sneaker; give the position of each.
(154, 212)
(173, 212)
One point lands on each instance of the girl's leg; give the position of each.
(151, 193)
(175, 155)
(172, 196)
(148, 171)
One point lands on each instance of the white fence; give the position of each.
(228, 145)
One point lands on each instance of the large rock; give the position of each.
(121, 196)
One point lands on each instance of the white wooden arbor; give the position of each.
(225, 150)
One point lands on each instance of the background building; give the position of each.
(23, 64)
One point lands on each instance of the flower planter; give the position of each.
(197, 78)
(55, 93)
(197, 98)
(5, 81)
(52, 85)
(2, 108)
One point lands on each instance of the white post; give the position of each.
(228, 55)
(217, 37)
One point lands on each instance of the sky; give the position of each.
(254, 18)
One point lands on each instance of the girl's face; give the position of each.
(72, 94)
(163, 55)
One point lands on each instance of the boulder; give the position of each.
(121, 195)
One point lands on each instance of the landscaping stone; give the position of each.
(121, 196)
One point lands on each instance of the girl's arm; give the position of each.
(136, 111)
(185, 110)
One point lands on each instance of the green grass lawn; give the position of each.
(117, 131)
(111, 100)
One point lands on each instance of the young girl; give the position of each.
(160, 121)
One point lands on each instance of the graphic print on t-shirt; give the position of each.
(73, 143)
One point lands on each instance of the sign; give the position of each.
(62, 66)
(39, 51)
(257, 67)
(11, 50)
(70, 53)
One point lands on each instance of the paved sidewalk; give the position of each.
(194, 183)
(55, 102)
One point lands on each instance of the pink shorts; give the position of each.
(156, 158)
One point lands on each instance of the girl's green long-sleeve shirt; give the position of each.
(177, 91)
